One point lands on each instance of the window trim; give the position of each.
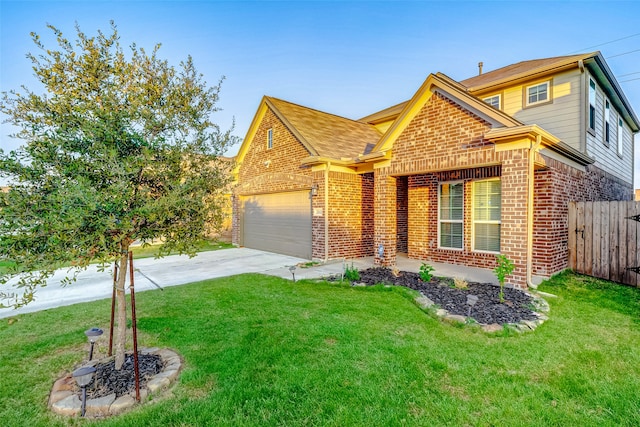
(473, 217)
(591, 110)
(440, 220)
(269, 138)
(606, 137)
(499, 96)
(620, 137)
(525, 94)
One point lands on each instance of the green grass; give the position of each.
(150, 251)
(261, 350)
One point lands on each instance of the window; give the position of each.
(537, 94)
(269, 139)
(486, 215)
(620, 137)
(592, 105)
(450, 215)
(607, 127)
(494, 101)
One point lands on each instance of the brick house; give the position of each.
(459, 173)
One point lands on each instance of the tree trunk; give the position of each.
(121, 304)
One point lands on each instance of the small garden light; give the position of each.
(83, 377)
(471, 300)
(92, 335)
(292, 269)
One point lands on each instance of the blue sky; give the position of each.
(346, 58)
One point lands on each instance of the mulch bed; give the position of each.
(516, 307)
(107, 380)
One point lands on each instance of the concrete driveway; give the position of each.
(177, 270)
(169, 271)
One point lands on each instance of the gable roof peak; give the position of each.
(325, 134)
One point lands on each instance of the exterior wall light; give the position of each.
(83, 377)
(314, 190)
(92, 335)
(380, 250)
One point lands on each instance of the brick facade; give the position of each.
(272, 170)
(395, 207)
(555, 187)
(442, 143)
(278, 169)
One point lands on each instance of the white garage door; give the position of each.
(278, 222)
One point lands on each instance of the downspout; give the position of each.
(530, 193)
(326, 212)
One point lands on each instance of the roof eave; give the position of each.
(548, 140)
(630, 117)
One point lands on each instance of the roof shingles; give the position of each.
(331, 136)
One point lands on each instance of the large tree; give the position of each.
(118, 146)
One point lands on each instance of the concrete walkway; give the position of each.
(175, 270)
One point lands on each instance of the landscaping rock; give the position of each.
(69, 406)
(121, 404)
(100, 407)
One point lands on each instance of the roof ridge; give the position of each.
(545, 63)
(272, 98)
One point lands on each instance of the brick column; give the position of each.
(513, 241)
(385, 217)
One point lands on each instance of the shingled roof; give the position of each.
(523, 69)
(327, 134)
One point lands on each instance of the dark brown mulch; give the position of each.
(107, 380)
(488, 309)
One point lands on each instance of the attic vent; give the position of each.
(480, 64)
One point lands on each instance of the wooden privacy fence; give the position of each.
(603, 240)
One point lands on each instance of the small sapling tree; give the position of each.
(504, 267)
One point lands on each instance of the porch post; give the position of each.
(514, 236)
(384, 217)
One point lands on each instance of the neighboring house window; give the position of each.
(538, 93)
(607, 126)
(487, 199)
(450, 215)
(620, 137)
(494, 101)
(592, 105)
(269, 139)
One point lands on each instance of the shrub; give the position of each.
(351, 273)
(426, 272)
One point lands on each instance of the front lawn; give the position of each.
(260, 350)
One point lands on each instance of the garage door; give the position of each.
(278, 222)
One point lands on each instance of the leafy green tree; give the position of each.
(119, 146)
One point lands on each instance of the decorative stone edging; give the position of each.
(64, 399)
(541, 311)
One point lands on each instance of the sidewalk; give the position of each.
(333, 267)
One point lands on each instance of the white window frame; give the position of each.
(474, 221)
(489, 100)
(450, 221)
(269, 139)
(620, 139)
(607, 122)
(528, 103)
(591, 115)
